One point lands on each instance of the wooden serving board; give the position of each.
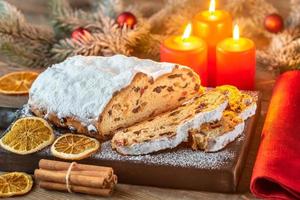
(180, 168)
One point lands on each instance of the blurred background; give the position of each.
(37, 10)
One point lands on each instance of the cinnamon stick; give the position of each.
(61, 166)
(75, 179)
(75, 188)
(82, 178)
(89, 173)
(112, 179)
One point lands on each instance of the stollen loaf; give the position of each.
(97, 95)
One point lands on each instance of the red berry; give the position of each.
(78, 33)
(274, 23)
(126, 18)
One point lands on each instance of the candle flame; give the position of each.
(187, 31)
(236, 32)
(212, 6)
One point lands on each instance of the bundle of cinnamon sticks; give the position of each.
(88, 179)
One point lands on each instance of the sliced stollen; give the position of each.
(247, 106)
(170, 129)
(239, 102)
(215, 136)
(97, 95)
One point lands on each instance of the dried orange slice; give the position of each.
(27, 135)
(15, 183)
(74, 146)
(229, 90)
(17, 82)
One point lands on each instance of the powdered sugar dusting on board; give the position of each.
(81, 86)
(179, 157)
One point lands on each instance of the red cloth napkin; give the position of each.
(276, 174)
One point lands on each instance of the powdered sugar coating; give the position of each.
(81, 86)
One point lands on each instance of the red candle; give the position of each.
(236, 62)
(186, 50)
(212, 26)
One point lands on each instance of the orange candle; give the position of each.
(236, 62)
(212, 26)
(186, 50)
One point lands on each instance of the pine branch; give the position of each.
(65, 19)
(159, 20)
(20, 39)
(10, 13)
(19, 56)
(256, 9)
(105, 37)
(110, 8)
(250, 15)
(283, 52)
(148, 47)
(24, 52)
(88, 45)
(293, 19)
(62, 15)
(111, 40)
(12, 22)
(26, 31)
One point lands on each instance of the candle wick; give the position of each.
(212, 14)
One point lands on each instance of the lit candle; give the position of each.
(236, 61)
(212, 26)
(186, 50)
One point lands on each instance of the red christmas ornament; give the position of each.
(274, 23)
(78, 33)
(126, 18)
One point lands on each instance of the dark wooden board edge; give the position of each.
(218, 180)
(138, 174)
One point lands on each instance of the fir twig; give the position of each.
(293, 19)
(250, 15)
(65, 19)
(20, 39)
(110, 8)
(111, 40)
(283, 51)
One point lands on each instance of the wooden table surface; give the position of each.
(264, 82)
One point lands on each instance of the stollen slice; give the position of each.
(28, 135)
(239, 101)
(15, 183)
(214, 136)
(170, 129)
(74, 146)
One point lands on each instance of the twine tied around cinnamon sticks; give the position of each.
(74, 177)
(68, 177)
